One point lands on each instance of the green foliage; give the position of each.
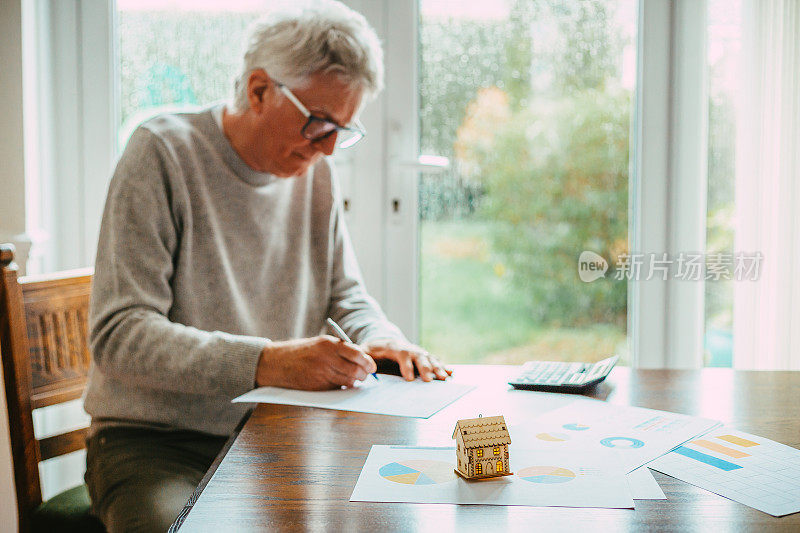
(472, 314)
(553, 179)
(556, 179)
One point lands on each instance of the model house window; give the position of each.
(479, 468)
(499, 466)
(497, 451)
(480, 452)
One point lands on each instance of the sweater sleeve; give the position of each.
(131, 336)
(351, 306)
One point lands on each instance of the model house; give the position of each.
(482, 447)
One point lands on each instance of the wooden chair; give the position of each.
(45, 356)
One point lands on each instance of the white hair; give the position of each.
(293, 43)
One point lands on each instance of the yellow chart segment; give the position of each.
(552, 437)
(546, 475)
(733, 439)
(546, 471)
(730, 452)
(418, 472)
(408, 479)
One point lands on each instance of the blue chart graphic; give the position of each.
(707, 459)
(622, 442)
(417, 472)
(546, 474)
(575, 427)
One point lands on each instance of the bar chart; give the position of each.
(745, 468)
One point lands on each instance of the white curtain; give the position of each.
(766, 318)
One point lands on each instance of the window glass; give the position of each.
(178, 53)
(724, 53)
(531, 101)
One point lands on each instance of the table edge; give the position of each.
(209, 474)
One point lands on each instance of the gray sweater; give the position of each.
(200, 261)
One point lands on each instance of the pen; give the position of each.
(342, 335)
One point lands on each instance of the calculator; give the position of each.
(561, 376)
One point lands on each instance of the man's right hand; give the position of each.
(315, 363)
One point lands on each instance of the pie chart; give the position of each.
(622, 442)
(546, 474)
(553, 437)
(575, 427)
(418, 472)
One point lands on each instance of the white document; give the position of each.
(389, 395)
(547, 479)
(746, 468)
(640, 435)
(644, 486)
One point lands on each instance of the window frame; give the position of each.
(666, 319)
(668, 162)
(70, 128)
(667, 193)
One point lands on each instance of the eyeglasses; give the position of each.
(317, 128)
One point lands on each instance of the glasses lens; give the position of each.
(348, 138)
(316, 128)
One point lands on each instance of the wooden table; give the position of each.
(294, 468)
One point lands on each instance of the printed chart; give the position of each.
(418, 472)
(552, 436)
(575, 427)
(746, 468)
(638, 435)
(546, 474)
(546, 478)
(621, 442)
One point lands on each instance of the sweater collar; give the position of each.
(242, 170)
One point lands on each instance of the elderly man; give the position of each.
(222, 252)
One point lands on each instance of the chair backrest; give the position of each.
(45, 355)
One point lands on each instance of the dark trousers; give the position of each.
(140, 479)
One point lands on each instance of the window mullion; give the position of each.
(668, 190)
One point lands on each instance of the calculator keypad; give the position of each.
(562, 374)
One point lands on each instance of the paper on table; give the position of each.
(640, 435)
(644, 486)
(391, 395)
(752, 470)
(425, 475)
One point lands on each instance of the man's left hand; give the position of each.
(408, 356)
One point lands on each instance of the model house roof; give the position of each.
(485, 431)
